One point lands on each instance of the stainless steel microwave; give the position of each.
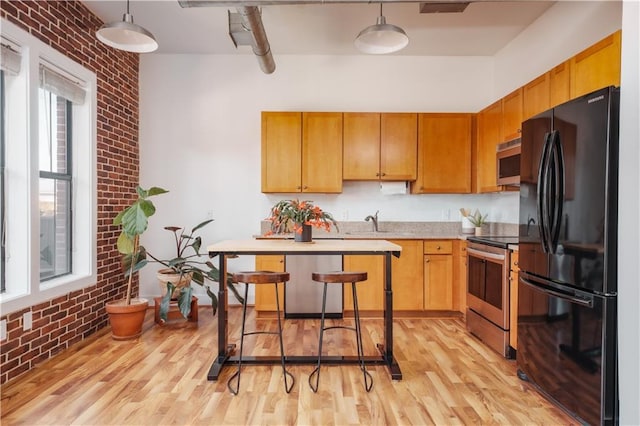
(508, 163)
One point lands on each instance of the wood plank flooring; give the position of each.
(449, 378)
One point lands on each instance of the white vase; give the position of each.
(467, 226)
(478, 231)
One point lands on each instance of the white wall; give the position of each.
(629, 202)
(565, 29)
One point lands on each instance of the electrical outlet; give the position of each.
(3, 329)
(27, 320)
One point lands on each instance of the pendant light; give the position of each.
(125, 35)
(381, 38)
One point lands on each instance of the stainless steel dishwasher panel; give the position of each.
(303, 296)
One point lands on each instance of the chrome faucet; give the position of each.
(374, 219)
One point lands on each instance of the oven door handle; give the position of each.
(485, 255)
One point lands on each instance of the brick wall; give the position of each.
(69, 27)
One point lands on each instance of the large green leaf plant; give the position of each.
(133, 221)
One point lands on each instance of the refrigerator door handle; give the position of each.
(586, 302)
(557, 186)
(541, 190)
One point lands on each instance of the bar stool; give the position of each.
(341, 277)
(260, 277)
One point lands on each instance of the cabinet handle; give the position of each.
(384, 174)
(437, 247)
(378, 174)
(515, 263)
(426, 261)
(305, 187)
(298, 187)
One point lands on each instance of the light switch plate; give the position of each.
(27, 319)
(3, 329)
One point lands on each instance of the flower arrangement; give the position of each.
(290, 215)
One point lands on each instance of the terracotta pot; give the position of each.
(167, 275)
(305, 235)
(126, 320)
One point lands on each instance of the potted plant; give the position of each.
(127, 316)
(477, 219)
(186, 267)
(298, 217)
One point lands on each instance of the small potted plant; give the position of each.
(477, 219)
(298, 217)
(127, 316)
(186, 267)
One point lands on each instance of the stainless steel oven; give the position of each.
(488, 293)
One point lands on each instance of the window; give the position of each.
(2, 276)
(48, 184)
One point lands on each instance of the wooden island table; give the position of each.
(319, 247)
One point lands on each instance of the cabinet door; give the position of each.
(535, 96)
(489, 135)
(322, 152)
(597, 66)
(265, 294)
(513, 301)
(406, 276)
(438, 285)
(460, 277)
(281, 151)
(560, 84)
(371, 291)
(361, 159)
(444, 154)
(398, 146)
(512, 115)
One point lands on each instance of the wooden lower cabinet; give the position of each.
(265, 294)
(370, 292)
(460, 276)
(513, 301)
(438, 275)
(406, 276)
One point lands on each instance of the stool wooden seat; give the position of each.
(260, 277)
(339, 277)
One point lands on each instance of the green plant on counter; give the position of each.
(477, 219)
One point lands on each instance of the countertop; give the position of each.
(397, 231)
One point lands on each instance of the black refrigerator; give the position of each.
(567, 291)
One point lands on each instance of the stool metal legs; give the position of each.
(368, 380)
(288, 386)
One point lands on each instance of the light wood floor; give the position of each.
(450, 378)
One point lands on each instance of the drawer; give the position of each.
(438, 246)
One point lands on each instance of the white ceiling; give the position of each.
(482, 29)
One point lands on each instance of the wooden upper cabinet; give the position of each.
(597, 66)
(535, 96)
(398, 146)
(281, 151)
(322, 152)
(361, 159)
(444, 153)
(489, 132)
(380, 146)
(560, 84)
(512, 115)
(302, 152)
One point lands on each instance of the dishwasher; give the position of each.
(303, 296)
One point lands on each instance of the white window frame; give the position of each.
(23, 285)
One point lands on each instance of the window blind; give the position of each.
(61, 85)
(9, 60)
